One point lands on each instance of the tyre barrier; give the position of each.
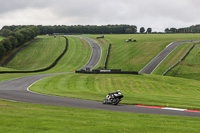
(44, 69)
(108, 52)
(180, 60)
(112, 71)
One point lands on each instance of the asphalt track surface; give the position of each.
(18, 90)
(96, 53)
(149, 68)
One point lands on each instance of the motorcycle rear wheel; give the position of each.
(115, 101)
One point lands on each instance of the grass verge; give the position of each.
(23, 118)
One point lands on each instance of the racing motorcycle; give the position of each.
(113, 99)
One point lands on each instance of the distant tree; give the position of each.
(149, 30)
(142, 30)
(129, 31)
(173, 30)
(167, 30)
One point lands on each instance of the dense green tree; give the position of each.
(19, 37)
(7, 44)
(167, 30)
(149, 30)
(2, 50)
(13, 41)
(142, 30)
(5, 32)
(129, 31)
(173, 30)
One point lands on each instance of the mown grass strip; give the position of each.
(140, 89)
(23, 118)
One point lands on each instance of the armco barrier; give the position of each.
(44, 69)
(108, 52)
(106, 72)
(180, 60)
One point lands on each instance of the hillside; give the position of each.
(133, 56)
(44, 52)
(188, 68)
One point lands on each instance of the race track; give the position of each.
(149, 68)
(17, 90)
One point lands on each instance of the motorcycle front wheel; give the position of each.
(115, 101)
(104, 101)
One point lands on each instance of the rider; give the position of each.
(111, 95)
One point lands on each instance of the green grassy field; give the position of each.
(137, 89)
(190, 67)
(173, 58)
(31, 118)
(133, 56)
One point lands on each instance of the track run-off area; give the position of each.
(18, 90)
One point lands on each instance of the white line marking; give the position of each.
(175, 109)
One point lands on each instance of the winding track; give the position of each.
(149, 68)
(17, 90)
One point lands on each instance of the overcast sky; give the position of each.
(157, 14)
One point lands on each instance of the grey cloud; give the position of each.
(148, 13)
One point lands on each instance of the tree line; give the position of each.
(16, 37)
(191, 29)
(82, 29)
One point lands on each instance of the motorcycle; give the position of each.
(113, 99)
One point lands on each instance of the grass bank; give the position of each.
(133, 56)
(173, 58)
(137, 89)
(190, 67)
(38, 55)
(23, 118)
